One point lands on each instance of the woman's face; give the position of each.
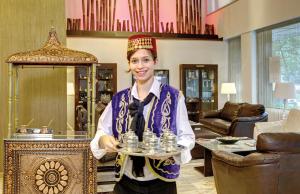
(141, 65)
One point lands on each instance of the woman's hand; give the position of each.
(108, 143)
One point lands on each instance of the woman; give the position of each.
(148, 104)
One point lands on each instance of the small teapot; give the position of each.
(23, 128)
(44, 129)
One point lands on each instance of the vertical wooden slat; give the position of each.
(109, 15)
(181, 17)
(83, 15)
(155, 15)
(177, 17)
(101, 15)
(151, 15)
(131, 16)
(147, 16)
(97, 15)
(114, 16)
(88, 15)
(92, 15)
(157, 22)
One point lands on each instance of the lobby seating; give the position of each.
(273, 169)
(290, 124)
(234, 119)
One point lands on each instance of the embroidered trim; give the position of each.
(154, 109)
(127, 117)
(165, 111)
(120, 119)
(157, 175)
(121, 161)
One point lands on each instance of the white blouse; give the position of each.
(185, 134)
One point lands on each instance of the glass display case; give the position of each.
(105, 88)
(162, 75)
(199, 84)
(106, 82)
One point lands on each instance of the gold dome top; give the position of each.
(53, 52)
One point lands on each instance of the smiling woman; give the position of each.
(148, 107)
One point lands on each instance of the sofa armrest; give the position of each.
(210, 114)
(245, 161)
(260, 118)
(243, 126)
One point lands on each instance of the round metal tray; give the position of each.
(144, 152)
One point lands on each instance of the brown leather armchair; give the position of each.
(234, 119)
(273, 169)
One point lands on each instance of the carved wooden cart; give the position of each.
(59, 164)
(55, 164)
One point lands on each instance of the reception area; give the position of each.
(232, 64)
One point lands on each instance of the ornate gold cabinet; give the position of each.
(52, 55)
(59, 164)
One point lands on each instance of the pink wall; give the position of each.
(167, 10)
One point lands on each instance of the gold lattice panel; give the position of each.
(49, 167)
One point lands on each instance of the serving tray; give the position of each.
(159, 153)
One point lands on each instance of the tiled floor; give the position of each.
(190, 182)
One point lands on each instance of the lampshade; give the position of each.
(228, 88)
(70, 89)
(285, 90)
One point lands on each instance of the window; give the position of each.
(234, 66)
(286, 45)
(281, 42)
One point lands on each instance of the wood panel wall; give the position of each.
(24, 25)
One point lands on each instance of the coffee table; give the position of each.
(201, 132)
(241, 147)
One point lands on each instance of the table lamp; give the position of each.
(284, 91)
(228, 88)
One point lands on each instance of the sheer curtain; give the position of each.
(264, 52)
(234, 66)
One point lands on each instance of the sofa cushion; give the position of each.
(230, 111)
(217, 125)
(249, 110)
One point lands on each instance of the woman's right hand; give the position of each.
(108, 143)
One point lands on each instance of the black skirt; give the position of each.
(157, 186)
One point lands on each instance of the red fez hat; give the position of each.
(141, 41)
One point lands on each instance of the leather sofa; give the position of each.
(273, 169)
(234, 119)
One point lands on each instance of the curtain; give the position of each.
(234, 66)
(264, 52)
